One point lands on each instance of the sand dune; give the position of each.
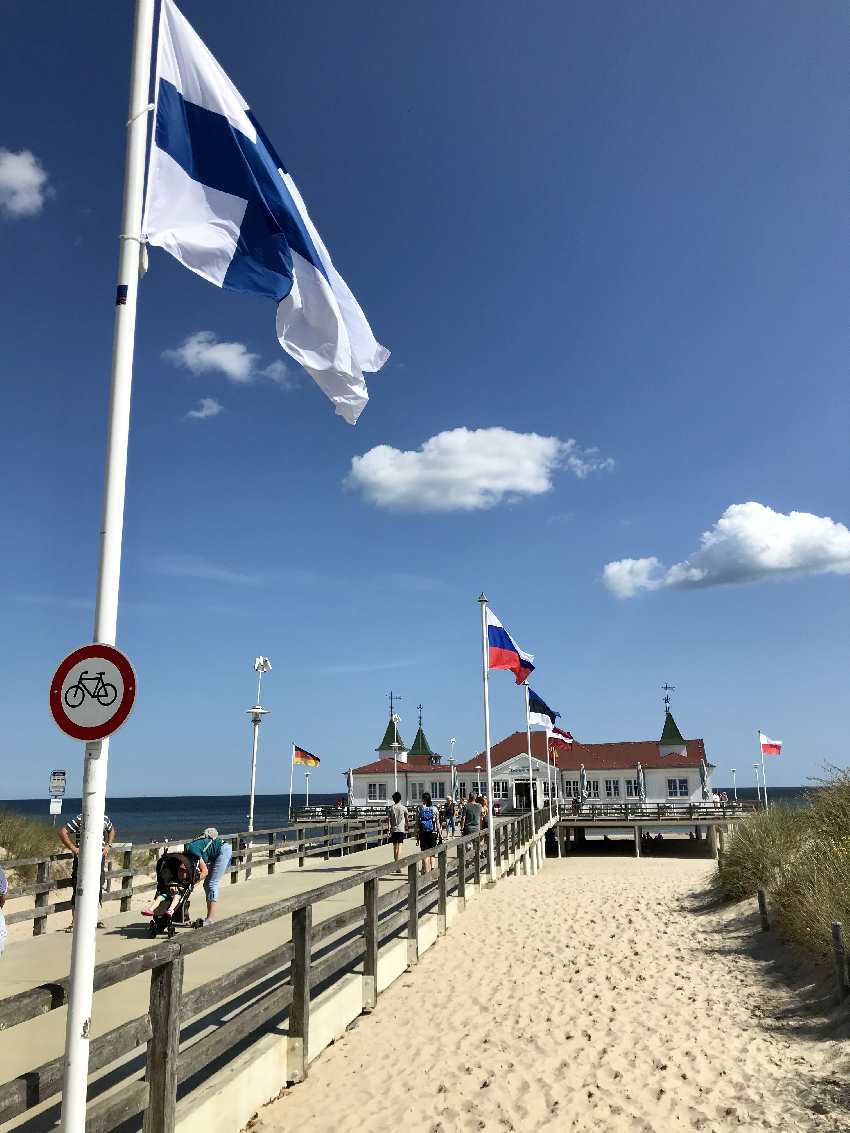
(598, 997)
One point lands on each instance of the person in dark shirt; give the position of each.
(69, 835)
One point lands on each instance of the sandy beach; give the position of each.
(601, 995)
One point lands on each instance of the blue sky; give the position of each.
(613, 224)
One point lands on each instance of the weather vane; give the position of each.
(419, 710)
(393, 697)
(667, 689)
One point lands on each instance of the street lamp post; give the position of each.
(257, 712)
(734, 785)
(758, 784)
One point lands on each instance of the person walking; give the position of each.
(449, 816)
(215, 853)
(69, 836)
(429, 830)
(397, 822)
(471, 817)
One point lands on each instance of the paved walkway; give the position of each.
(37, 960)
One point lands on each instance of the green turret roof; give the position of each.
(671, 734)
(420, 744)
(391, 735)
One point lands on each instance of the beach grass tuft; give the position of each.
(22, 837)
(802, 858)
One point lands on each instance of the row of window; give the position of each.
(676, 788)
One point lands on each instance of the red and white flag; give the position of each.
(769, 746)
(559, 738)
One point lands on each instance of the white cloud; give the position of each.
(23, 184)
(179, 565)
(208, 407)
(749, 543)
(202, 353)
(468, 469)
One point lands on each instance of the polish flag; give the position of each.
(769, 746)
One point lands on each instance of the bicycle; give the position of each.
(103, 692)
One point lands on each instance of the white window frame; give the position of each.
(376, 792)
(571, 789)
(632, 789)
(461, 788)
(593, 788)
(612, 788)
(675, 789)
(438, 790)
(416, 791)
(501, 789)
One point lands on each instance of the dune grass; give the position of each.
(802, 858)
(27, 837)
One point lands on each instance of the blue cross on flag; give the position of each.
(221, 201)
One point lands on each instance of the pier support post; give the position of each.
(558, 840)
(272, 855)
(370, 959)
(712, 841)
(638, 836)
(762, 900)
(161, 1068)
(301, 833)
(413, 913)
(839, 961)
(298, 1042)
(698, 833)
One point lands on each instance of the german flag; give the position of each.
(299, 755)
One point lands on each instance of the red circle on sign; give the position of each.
(57, 708)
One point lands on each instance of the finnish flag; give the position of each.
(221, 201)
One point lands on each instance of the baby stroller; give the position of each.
(175, 876)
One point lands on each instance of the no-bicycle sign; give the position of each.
(92, 692)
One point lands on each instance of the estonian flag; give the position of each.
(504, 653)
(539, 711)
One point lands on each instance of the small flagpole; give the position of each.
(80, 983)
(530, 764)
(307, 786)
(491, 841)
(763, 777)
(758, 784)
(291, 777)
(549, 771)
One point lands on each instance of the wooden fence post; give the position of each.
(42, 876)
(497, 850)
(298, 1043)
(126, 882)
(272, 852)
(461, 875)
(107, 877)
(839, 960)
(327, 841)
(762, 900)
(370, 959)
(476, 864)
(249, 855)
(234, 873)
(413, 913)
(161, 1068)
(301, 840)
(442, 887)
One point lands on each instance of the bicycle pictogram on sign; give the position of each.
(104, 692)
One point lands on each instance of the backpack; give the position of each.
(426, 819)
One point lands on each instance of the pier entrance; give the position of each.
(522, 795)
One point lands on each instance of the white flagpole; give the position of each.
(307, 787)
(549, 771)
(291, 776)
(763, 778)
(491, 841)
(758, 784)
(530, 764)
(80, 987)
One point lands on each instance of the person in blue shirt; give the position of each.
(216, 855)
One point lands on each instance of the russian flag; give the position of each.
(503, 651)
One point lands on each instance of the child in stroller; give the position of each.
(176, 875)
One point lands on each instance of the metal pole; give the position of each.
(307, 786)
(80, 990)
(758, 784)
(763, 776)
(291, 775)
(734, 786)
(491, 847)
(549, 772)
(256, 724)
(530, 764)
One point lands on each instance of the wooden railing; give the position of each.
(317, 954)
(593, 809)
(129, 861)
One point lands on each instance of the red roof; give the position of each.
(595, 757)
(414, 763)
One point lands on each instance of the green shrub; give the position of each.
(802, 858)
(24, 837)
